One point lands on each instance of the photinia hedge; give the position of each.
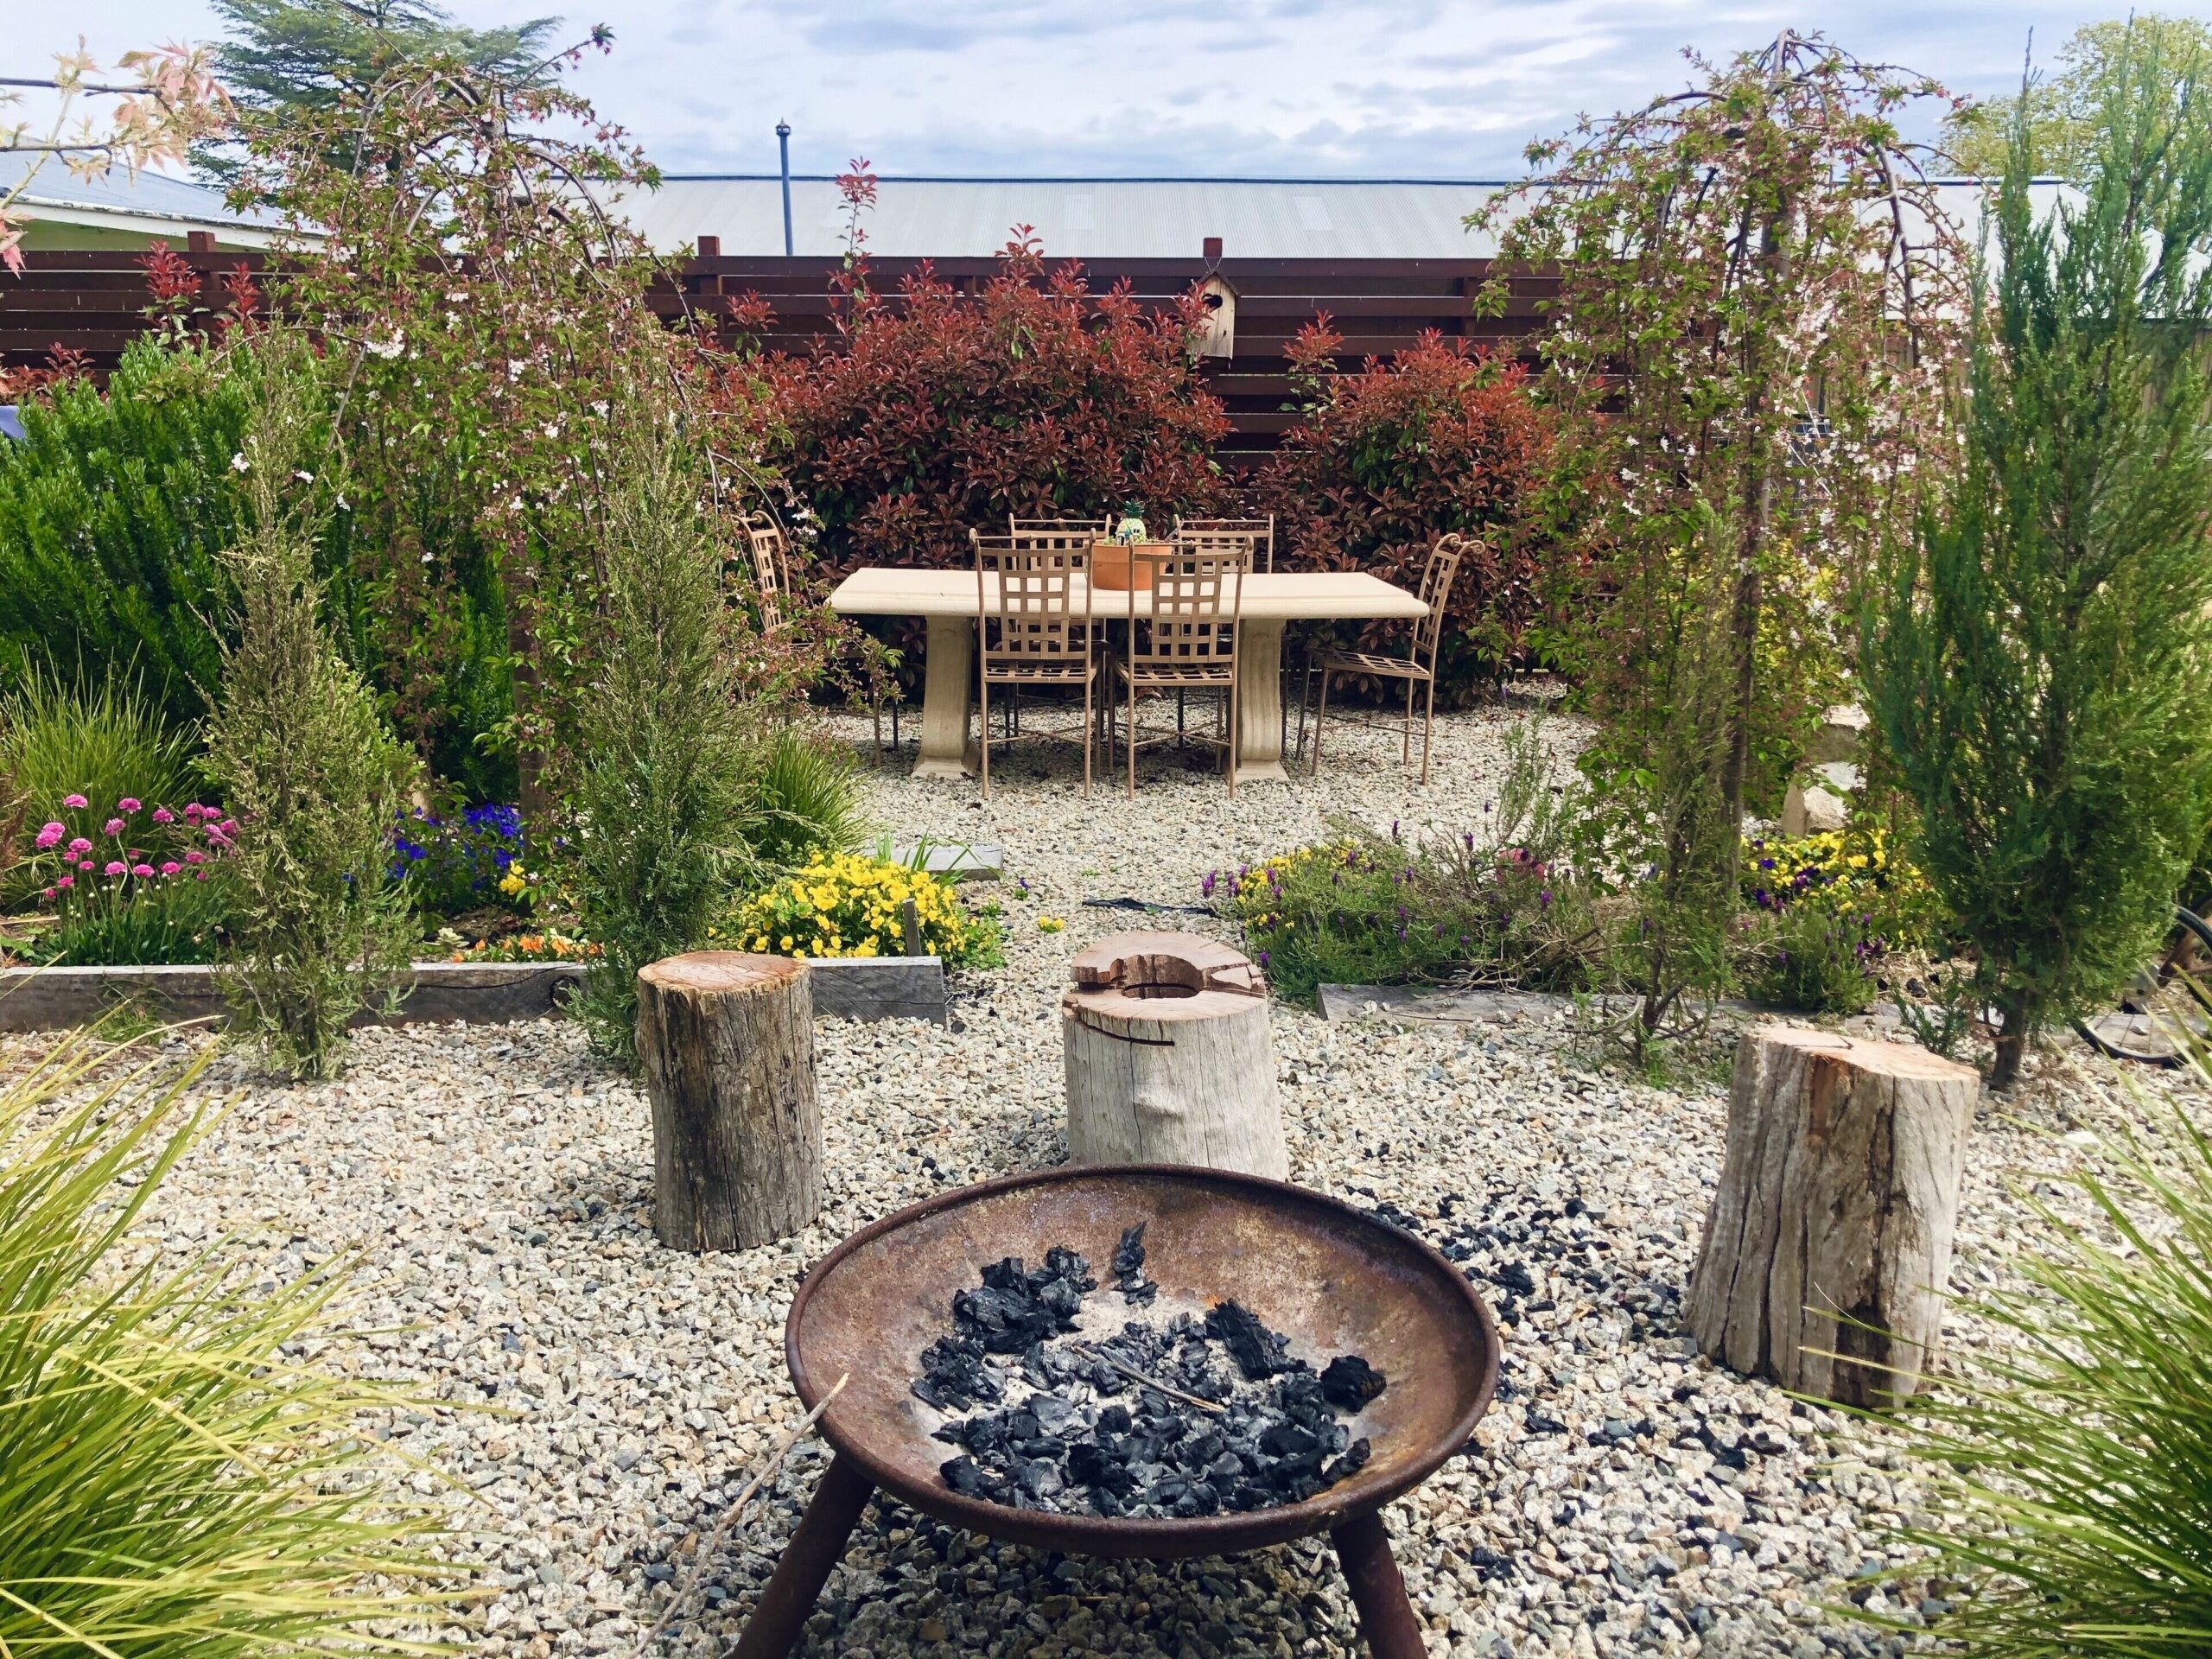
(936, 411)
(1436, 438)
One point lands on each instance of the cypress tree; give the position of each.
(2039, 660)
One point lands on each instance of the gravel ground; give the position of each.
(1623, 1496)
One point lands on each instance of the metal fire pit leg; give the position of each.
(1386, 1617)
(815, 1548)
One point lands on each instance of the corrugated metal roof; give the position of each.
(118, 194)
(1126, 219)
(1094, 219)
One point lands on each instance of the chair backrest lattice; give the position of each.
(771, 568)
(1089, 529)
(1198, 600)
(1256, 536)
(1025, 601)
(1436, 578)
(1059, 539)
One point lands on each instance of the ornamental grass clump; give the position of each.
(172, 1482)
(670, 749)
(2072, 1456)
(310, 774)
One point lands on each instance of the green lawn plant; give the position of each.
(804, 796)
(667, 748)
(304, 759)
(2041, 662)
(173, 1481)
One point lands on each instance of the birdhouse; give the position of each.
(1216, 336)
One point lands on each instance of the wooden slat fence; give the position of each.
(94, 303)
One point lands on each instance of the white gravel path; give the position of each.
(1624, 1497)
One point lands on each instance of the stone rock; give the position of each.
(1822, 802)
(1843, 729)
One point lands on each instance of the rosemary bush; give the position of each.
(304, 760)
(667, 768)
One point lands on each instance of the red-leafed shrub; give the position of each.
(1435, 438)
(938, 413)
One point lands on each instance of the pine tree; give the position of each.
(285, 55)
(2041, 663)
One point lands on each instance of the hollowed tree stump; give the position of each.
(726, 1047)
(1828, 1244)
(1169, 1057)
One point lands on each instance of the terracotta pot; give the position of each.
(1113, 569)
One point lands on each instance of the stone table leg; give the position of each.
(1259, 699)
(815, 1549)
(948, 693)
(1386, 1617)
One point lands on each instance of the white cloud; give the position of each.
(1411, 87)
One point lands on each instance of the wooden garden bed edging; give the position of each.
(50, 999)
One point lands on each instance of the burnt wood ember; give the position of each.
(1180, 1418)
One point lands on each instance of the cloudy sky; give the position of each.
(1277, 88)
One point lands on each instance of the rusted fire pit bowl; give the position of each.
(1335, 1281)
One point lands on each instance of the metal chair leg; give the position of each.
(779, 1617)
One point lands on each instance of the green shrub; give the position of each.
(114, 511)
(1812, 961)
(171, 1483)
(2074, 1454)
(2039, 664)
(666, 744)
(804, 797)
(304, 761)
(1365, 908)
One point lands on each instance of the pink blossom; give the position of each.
(84, 864)
(192, 811)
(229, 826)
(45, 893)
(65, 881)
(114, 826)
(141, 871)
(162, 815)
(216, 835)
(200, 875)
(49, 834)
(75, 800)
(129, 804)
(116, 866)
(170, 866)
(193, 855)
(79, 847)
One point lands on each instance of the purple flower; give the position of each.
(50, 833)
(170, 866)
(62, 883)
(116, 866)
(141, 871)
(162, 815)
(1205, 888)
(129, 804)
(114, 826)
(84, 863)
(193, 812)
(75, 800)
(193, 855)
(79, 847)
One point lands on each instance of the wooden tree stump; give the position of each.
(725, 1046)
(1169, 1057)
(1828, 1244)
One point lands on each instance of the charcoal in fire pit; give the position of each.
(1349, 1381)
(1120, 1424)
(1128, 1269)
(1259, 1352)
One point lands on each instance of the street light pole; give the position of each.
(784, 144)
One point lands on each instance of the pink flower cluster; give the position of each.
(123, 862)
